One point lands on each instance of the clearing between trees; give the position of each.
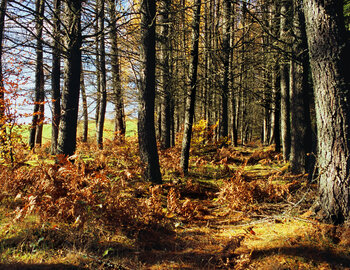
(238, 208)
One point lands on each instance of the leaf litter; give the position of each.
(239, 208)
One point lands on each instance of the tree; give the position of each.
(119, 127)
(301, 132)
(38, 114)
(330, 62)
(72, 62)
(226, 66)
(146, 130)
(101, 73)
(3, 6)
(85, 106)
(166, 114)
(56, 76)
(191, 95)
(284, 77)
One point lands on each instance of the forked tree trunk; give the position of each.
(146, 129)
(191, 95)
(70, 98)
(329, 54)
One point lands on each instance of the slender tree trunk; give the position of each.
(226, 66)
(146, 129)
(165, 74)
(38, 114)
(119, 126)
(300, 114)
(190, 98)
(70, 98)
(85, 106)
(98, 65)
(233, 98)
(3, 6)
(102, 69)
(284, 79)
(56, 77)
(285, 110)
(329, 53)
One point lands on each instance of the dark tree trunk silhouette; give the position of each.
(102, 74)
(146, 129)
(72, 66)
(191, 95)
(226, 66)
(38, 114)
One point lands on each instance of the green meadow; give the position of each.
(131, 130)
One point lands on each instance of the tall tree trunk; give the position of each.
(85, 106)
(165, 74)
(119, 118)
(226, 66)
(56, 76)
(70, 97)
(3, 6)
(191, 95)
(146, 129)
(37, 119)
(284, 79)
(300, 114)
(233, 95)
(97, 64)
(102, 73)
(330, 62)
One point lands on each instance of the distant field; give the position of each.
(131, 130)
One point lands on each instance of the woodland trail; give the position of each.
(238, 208)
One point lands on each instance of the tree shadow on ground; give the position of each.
(309, 253)
(18, 266)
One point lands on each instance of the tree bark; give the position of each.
(191, 95)
(226, 66)
(165, 74)
(330, 62)
(102, 74)
(284, 78)
(300, 113)
(3, 7)
(70, 97)
(56, 76)
(119, 127)
(38, 114)
(146, 129)
(85, 106)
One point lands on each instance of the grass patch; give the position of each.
(131, 130)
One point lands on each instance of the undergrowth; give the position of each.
(94, 211)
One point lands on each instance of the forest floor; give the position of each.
(238, 208)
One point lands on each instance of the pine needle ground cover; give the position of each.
(239, 208)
